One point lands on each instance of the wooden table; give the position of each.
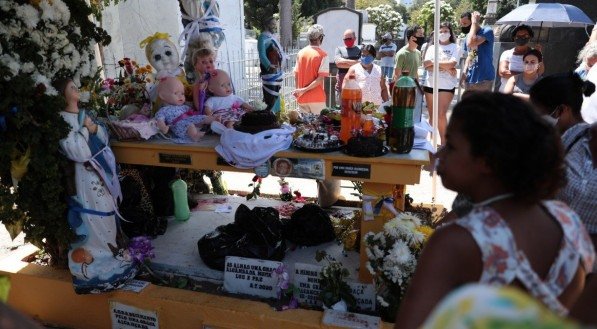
(382, 176)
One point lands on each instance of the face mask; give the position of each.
(420, 41)
(349, 43)
(521, 41)
(551, 120)
(366, 59)
(443, 37)
(465, 29)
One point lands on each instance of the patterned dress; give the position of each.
(179, 118)
(504, 263)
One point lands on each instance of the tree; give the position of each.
(363, 4)
(312, 7)
(39, 43)
(386, 19)
(257, 10)
(350, 4)
(285, 23)
(426, 15)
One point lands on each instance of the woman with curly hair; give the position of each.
(509, 161)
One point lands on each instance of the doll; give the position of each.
(176, 115)
(98, 258)
(223, 105)
(203, 63)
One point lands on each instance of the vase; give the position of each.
(339, 306)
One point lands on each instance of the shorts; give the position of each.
(314, 108)
(430, 90)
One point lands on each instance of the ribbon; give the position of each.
(209, 22)
(152, 38)
(273, 79)
(185, 115)
(369, 210)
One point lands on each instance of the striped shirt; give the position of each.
(581, 191)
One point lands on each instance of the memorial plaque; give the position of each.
(129, 317)
(364, 294)
(299, 168)
(175, 158)
(306, 279)
(351, 170)
(251, 276)
(135, 285)
(350, 320)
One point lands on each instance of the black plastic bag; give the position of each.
(255, 233)
(309, 226)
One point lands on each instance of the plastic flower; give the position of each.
(140, 249)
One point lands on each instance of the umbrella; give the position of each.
(548, 15)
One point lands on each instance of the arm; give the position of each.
(261, 46)
(509, 88)
(440, 269)
(342, 62)
(398, 67)
(504, 65)
(350, 71)
(385, 96)
(472, 39)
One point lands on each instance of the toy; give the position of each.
(203, 64)
(176, 115)
(223, 105)
(98, 256)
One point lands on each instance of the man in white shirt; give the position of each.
(386, 53)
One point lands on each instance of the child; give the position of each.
(509, 161)
(203, 62)
(176, 115)
(223, 105)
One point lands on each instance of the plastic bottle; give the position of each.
(181, 204)
(351, 97)
(402, 131)
(368, 126)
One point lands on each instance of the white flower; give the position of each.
(56, 11)
(29, 15)
(399, 253)
(6, 5)
(11, 62)
(382, 302)
(28, 67)
(41, 79)
(370, 268)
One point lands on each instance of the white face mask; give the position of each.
(551, 120)
(443, 37)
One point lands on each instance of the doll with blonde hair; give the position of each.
(223, 105)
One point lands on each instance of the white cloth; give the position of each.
(589, 105)
(223, 103)
(388, 60)
(370, 83)
(515, 64)
(449, 52)
(246, 151)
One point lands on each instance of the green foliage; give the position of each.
(386, 18)
(299, 22)
(332, 282)
(312, 7)
(363, 4)
(426, 14)
(39, 50)
(258, 10)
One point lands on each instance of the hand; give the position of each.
(476, 18)
(162, 126)
(539, 47)
(453, 72)
(90, 125)
(298, 92)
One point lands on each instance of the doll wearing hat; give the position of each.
(223, 105)
(175, 115)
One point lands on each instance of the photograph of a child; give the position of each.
(282, 167)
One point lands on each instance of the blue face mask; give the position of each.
(367, 59)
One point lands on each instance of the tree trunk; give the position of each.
(286, 23)
(350, 4)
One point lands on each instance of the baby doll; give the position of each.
(223, 105)
(175, 114)
(203, 62)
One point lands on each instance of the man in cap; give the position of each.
(386, 53)
(312, 66)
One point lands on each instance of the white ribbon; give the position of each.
(207, 23)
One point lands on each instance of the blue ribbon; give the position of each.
(379, 204)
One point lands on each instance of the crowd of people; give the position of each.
(523, 159)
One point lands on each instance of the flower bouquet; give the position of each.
(393, 255)
(335, 292)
